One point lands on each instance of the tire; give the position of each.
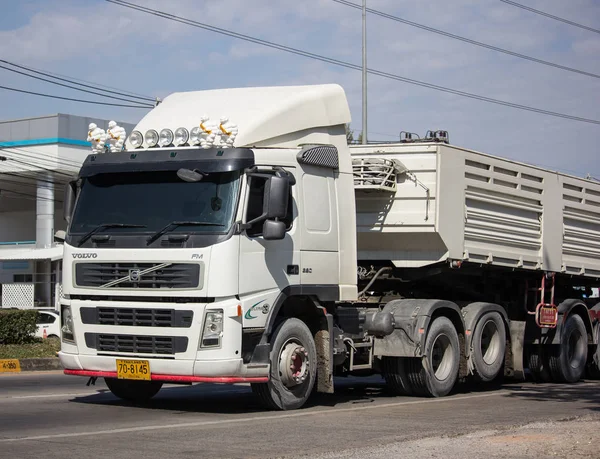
(538, 364)
(593, 369)
(395, 375)
(489, 346)
(436, 373)
(292, 345)
(568, 361)
(133, 391)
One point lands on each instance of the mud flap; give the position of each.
(517, 339)
(325, 356)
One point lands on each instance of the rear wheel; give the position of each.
(293, 367)
(395, 376)
(568, 361)
(594, 365)
(134, 391)
(436, 373)
(538, 364)
(489, 346)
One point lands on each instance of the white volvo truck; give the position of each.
(237, 238)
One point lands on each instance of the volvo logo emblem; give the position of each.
(135, 275)
(85, 255)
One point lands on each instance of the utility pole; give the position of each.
(364, 72)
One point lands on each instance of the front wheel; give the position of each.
(133, 391)
(293, 359)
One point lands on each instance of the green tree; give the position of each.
(349, 134)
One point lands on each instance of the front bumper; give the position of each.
(189, 364)
(178, 371)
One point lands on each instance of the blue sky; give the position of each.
(100, 42)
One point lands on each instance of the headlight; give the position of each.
(181, 136)
(66, 324)
(151, 138)
(195, 135)
(136, 139)
(166, 138)
(213, 328)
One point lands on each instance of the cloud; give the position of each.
(105, 43)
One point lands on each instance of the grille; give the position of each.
(137, 317)
(134, 344)
(131, 275)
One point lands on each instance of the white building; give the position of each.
(38, 156)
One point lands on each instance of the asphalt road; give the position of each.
(50, 415)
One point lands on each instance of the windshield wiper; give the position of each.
(104, 226)
(175, 224)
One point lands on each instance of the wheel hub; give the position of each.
(293, 364)
(441, 357)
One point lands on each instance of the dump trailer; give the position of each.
(238, 238)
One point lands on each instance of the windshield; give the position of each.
(155, 199)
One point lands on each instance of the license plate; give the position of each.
(133, 369)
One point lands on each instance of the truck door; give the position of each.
(319, 259)
(268, 266)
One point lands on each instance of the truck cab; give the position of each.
(224, 208)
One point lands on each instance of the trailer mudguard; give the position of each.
(567, 307)
(412, 318)
(595, 315)
(471, 315)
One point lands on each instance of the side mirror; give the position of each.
(69, 201)
(188, 175)
(60, 236)
(273, 230)
(275, 202)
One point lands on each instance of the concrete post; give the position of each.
(44, 236)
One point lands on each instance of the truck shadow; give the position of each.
(238, 399)
(586, 393)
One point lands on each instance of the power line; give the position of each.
(72, 79)
(467, 40)
(551, 16)
(33, 196)
(8, 158)
(28, 177)
(69, 86)
(22, 184)
(40, 157)
(10, 154)
(74, 100)
(23, 174)
(337, 62)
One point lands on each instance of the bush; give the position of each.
(18, 326)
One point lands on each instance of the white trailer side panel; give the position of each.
(481, 209)
(400, 226)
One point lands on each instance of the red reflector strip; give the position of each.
(173, 378)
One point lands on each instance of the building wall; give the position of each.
(52, 126)
(42, 150)
(17, 226)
